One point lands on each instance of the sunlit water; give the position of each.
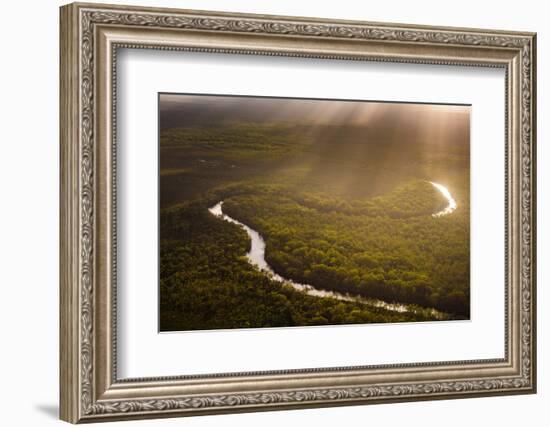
(447, 194)
(256, 257)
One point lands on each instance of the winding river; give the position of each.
(450, 208)
(256, 257)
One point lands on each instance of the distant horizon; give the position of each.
(445, 122)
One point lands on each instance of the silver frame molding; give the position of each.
(90, 37)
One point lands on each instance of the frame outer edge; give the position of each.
(69, 354)
(533, 112)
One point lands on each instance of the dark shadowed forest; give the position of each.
(340, 191)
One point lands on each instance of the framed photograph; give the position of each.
(265, 212)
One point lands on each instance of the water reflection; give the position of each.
(447, 194)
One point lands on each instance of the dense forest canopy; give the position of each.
(343, 204)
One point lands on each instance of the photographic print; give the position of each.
(280, 212)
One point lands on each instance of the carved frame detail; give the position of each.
(80, 401)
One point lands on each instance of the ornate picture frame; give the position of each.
(90, 37)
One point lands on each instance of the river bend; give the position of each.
(256, 257)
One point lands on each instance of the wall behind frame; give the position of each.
(29, 175)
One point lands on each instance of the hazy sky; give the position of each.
(443, 121)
